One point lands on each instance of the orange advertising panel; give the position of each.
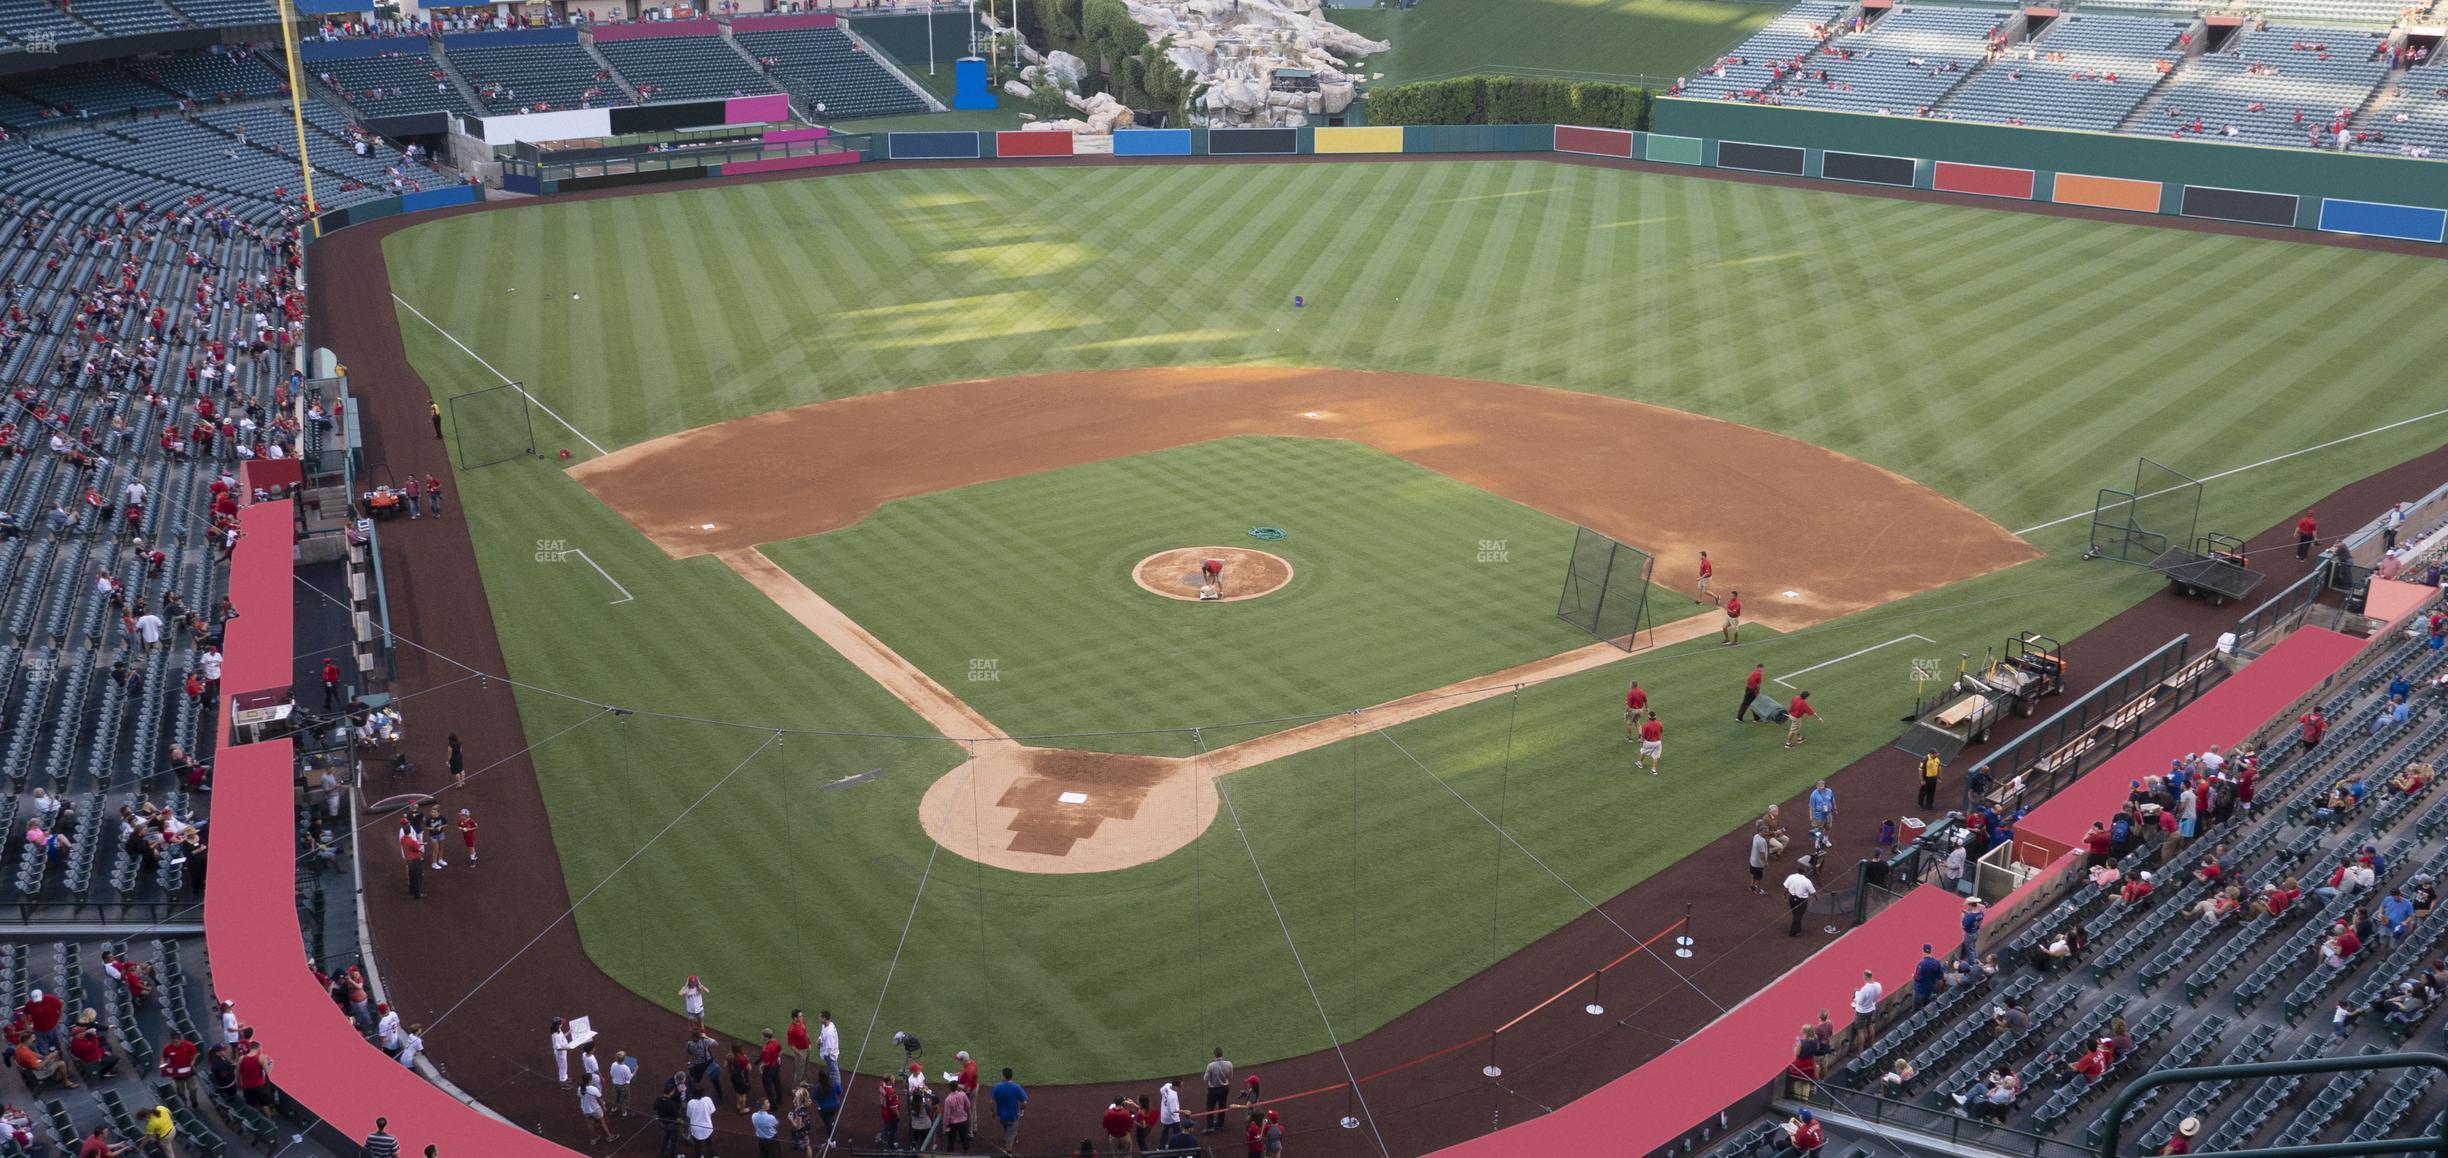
(2107, 193)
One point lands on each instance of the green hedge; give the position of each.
(1510, 100)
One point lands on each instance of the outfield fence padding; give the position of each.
(2262, 185)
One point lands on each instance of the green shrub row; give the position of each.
(1511, 100)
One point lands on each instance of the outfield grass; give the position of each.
(2015, 362)
(1392, 576)
(1631, 41)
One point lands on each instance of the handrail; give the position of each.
(2320, 1065)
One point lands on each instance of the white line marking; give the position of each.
(1840, 659)
(625, 595)
(463, 348)
(2252, 466)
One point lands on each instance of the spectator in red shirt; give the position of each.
(2313, 726)
(2095, 845)
(178, 1066)
(92, 1054)
(769, 1067)
(2093, 1065)
(255, 1078)
(1118, 1122)
(1795, 712)
(43, 1012)
(797, 1035)
(2307, 529)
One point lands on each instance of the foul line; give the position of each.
(626, 597)
(2248, 466)
(464, 998)
(506, 380)
(1850, 655)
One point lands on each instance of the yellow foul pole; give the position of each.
(297, 111)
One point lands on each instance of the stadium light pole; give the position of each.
(297, 112)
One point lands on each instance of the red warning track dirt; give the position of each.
(1664, 480)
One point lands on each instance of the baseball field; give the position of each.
(862, 470)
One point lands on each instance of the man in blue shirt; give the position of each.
(1010, 1101)
(1974, 913)
(1926, 977)
(766, 1127)
(1822, 804)
(2396, 910)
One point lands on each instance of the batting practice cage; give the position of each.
(1606, 589)
(491, 425)
(2139, 525)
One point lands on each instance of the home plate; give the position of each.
(1073, 798)
(705, 526)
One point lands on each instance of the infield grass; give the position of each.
(1393, 564)
(2014, 362)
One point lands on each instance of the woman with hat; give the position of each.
(2182, 1141)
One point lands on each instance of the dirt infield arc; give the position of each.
(1663, 479)
(1666, 480)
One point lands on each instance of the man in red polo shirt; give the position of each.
(178, 1065)
(1795, 713)
(1708, 572)
(797, 1035)
(2307, 529)
(1652, 744)
(1634, 701)
(1733, 618)
(1751, 689)
(1118, 1119)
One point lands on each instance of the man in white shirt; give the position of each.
(828, 1045)
(387, 1031)
(2390, 524)
(149, 629)
(701, 1123)
(1168, 1107)
(412, 1047)
(1798, 893)
(1865, 1013)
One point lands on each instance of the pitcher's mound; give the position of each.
(1248, 574)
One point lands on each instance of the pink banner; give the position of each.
(782, 23)
(773, 164)
(784, 136)
(657, 30)
(752, 110)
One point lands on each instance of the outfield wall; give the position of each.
(2383, 197)
(2354, 193)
